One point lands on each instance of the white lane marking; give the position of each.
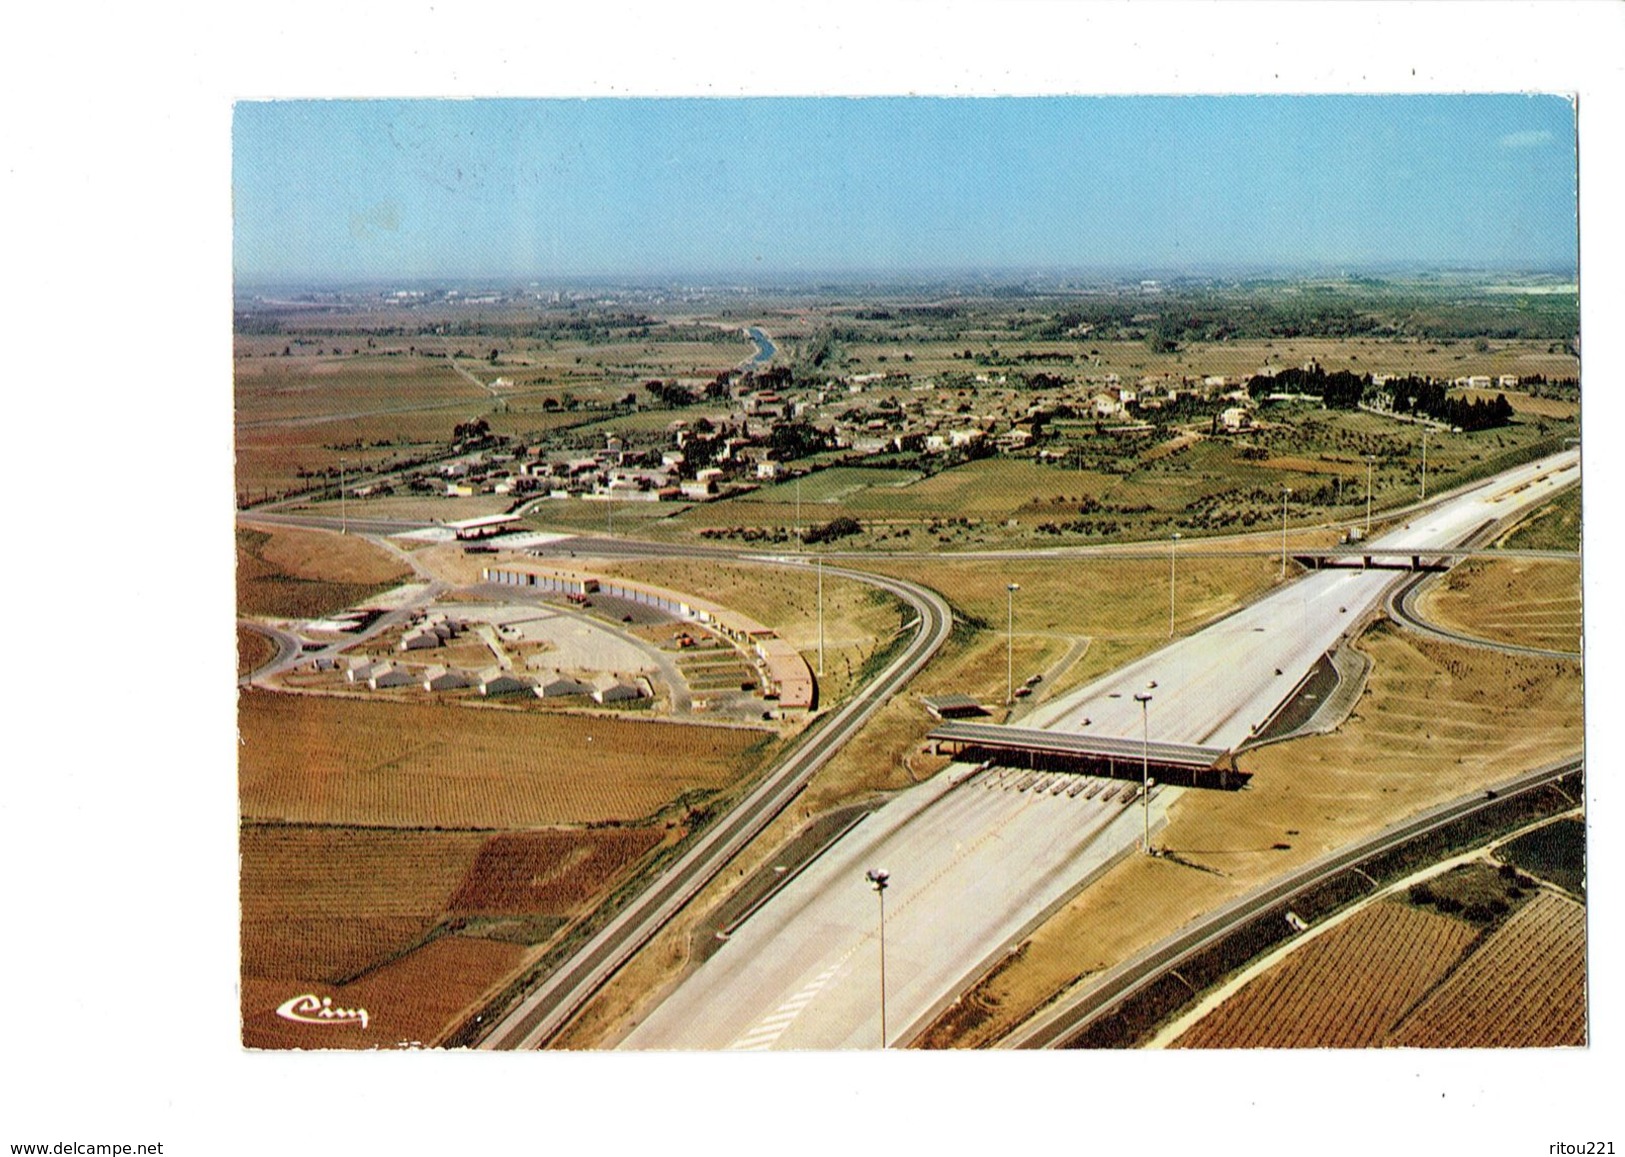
(767, 1031)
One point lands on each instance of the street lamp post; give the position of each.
(820, 616)
(1370, 460)
(1171, 543)
(344, 513)
(877, 878)
(1010, 590)
(1286, 492)
(1424, 463)
(1143, 698)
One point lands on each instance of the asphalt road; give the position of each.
(1402, 607)
(1053, 1026)
(797, 975)
(534, 1020)
(288, 649)
(803, 971)
(1220, 685)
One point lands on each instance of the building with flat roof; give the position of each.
(482, 527)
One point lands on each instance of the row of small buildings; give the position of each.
(495, 682)
(785, 675)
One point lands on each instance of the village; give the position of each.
(744, 429)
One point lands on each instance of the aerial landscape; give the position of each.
(1055, 573)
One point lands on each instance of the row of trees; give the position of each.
(1422, 396)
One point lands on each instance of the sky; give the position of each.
(666, 188)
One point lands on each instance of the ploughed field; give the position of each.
(1344, 990)
(410, 858)
(1398, 975)
(1524, 987)
(412, 925)
(342, 760)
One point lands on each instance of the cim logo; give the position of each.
(312, 1009)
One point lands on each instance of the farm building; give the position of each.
(389, 675)
(362, 669)
(420, 639)
(439, 678)
(562, 687)
(495, 681)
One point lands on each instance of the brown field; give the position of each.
(1525, 986)
(344, 912)
(328, 759)
(549, 872)
(324, 903)
(1345, 989)
(1099, 597)
(301, 574)
(1526, 601)
(1244, 356)
(1435, 723)
(253, 650)
(415, 1000)
(1523, 403)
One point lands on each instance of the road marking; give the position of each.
(770, 1028)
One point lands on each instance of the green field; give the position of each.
(1555, 526)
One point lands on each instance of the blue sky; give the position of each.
(556, 189)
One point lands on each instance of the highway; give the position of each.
(803, 972)
(1055, 1024)
(1221, 685)
(534, 1020)
(799, 973)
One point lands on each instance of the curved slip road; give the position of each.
(1402, 608)
(539, 1016)
(1052, 1027)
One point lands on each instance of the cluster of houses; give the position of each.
(434, 631)
(860, 415)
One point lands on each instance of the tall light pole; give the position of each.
(820, 616)
(1286, 492)
(877, 878)
(1143, 698)
(1424, 463)
(798, 512)
(1370, 460)
(1010, 590)
(1171, 543)
(344, 514)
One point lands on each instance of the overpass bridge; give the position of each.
(1043, 750)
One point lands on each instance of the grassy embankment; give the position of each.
(302, 574)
